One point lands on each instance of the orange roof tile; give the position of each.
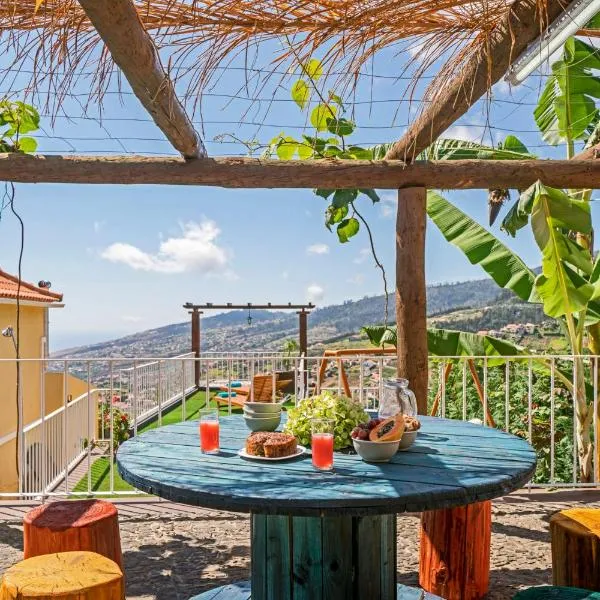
(9, 286)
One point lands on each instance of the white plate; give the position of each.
(300, 450)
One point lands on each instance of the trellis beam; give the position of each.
(134, 52)
(329, 174)
(524, 22)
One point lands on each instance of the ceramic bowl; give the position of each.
(375, 451)
(267, 424)
(260, 415)
(408, 439)
(263, 407)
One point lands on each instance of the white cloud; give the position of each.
(315, 293)
(461, 132)
(357, 279)
(362, 256)
(388, 204)
(317, 249)
(195, 250)
(98, 225)
(130, 318)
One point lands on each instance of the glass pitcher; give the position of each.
(397, 398)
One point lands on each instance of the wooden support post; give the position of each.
(303, 331)
(411, 316)
(196, 344)
(134, 52)
(455, 551)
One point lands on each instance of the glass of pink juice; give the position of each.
(209, 431)
(322, 444)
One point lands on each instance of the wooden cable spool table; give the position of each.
(327, 534)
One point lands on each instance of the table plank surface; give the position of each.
(452, 463)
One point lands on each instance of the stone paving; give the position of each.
(172, 552)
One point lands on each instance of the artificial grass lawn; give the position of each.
(101, 478)
(101, 468)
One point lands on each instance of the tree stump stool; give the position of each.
(550, 592)
(64, 576)
(455, 551)
(90, 525)
(576, 548)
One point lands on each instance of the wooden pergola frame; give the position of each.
(196, 310)
(133, 50)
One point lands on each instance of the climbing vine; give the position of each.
(17, 119)
(330, 140)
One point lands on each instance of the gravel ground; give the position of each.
(173, 552)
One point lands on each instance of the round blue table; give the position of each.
(327, 535)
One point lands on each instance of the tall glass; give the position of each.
(209, 431)
(322, 444)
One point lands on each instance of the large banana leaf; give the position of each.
(482, 248)
(452, 149)
(566, 109)
(563, 290)
(447, 342)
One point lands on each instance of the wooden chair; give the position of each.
(88, 525)
(64, 575)
(575, 537)
(261, 390)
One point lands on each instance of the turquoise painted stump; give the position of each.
(317, 535)
(241, 591)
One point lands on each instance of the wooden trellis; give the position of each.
(123, 27)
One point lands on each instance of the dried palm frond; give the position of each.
(199, 36)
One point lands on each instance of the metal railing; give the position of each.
(531, 396)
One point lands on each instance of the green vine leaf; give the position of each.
(287, 148)
(321, 114)
(340, 127)
(343, 197)
(335, 215)
(26, 144)
(314, 69)
(347, 228)
(372, 194)
(324, 193)
(301, 93)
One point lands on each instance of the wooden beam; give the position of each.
(411, 297)
(330, 174)
(522, 25)
(134, 52)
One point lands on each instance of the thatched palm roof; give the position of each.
(57, 38)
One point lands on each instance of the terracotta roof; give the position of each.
(28, 292)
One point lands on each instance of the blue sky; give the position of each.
(127, 257)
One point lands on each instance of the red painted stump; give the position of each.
(87, 525)
(455, 551)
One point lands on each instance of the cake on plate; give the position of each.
(271, 444)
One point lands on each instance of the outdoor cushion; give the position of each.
(225, 394)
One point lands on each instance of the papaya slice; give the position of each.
(390, 430)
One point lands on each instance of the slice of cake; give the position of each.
(271, 444)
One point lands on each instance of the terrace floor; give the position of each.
(172, 551)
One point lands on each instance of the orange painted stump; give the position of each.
(64, 576)
(455, 551)
(90, 525)
(576, 548)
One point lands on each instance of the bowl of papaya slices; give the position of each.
(379, 439)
